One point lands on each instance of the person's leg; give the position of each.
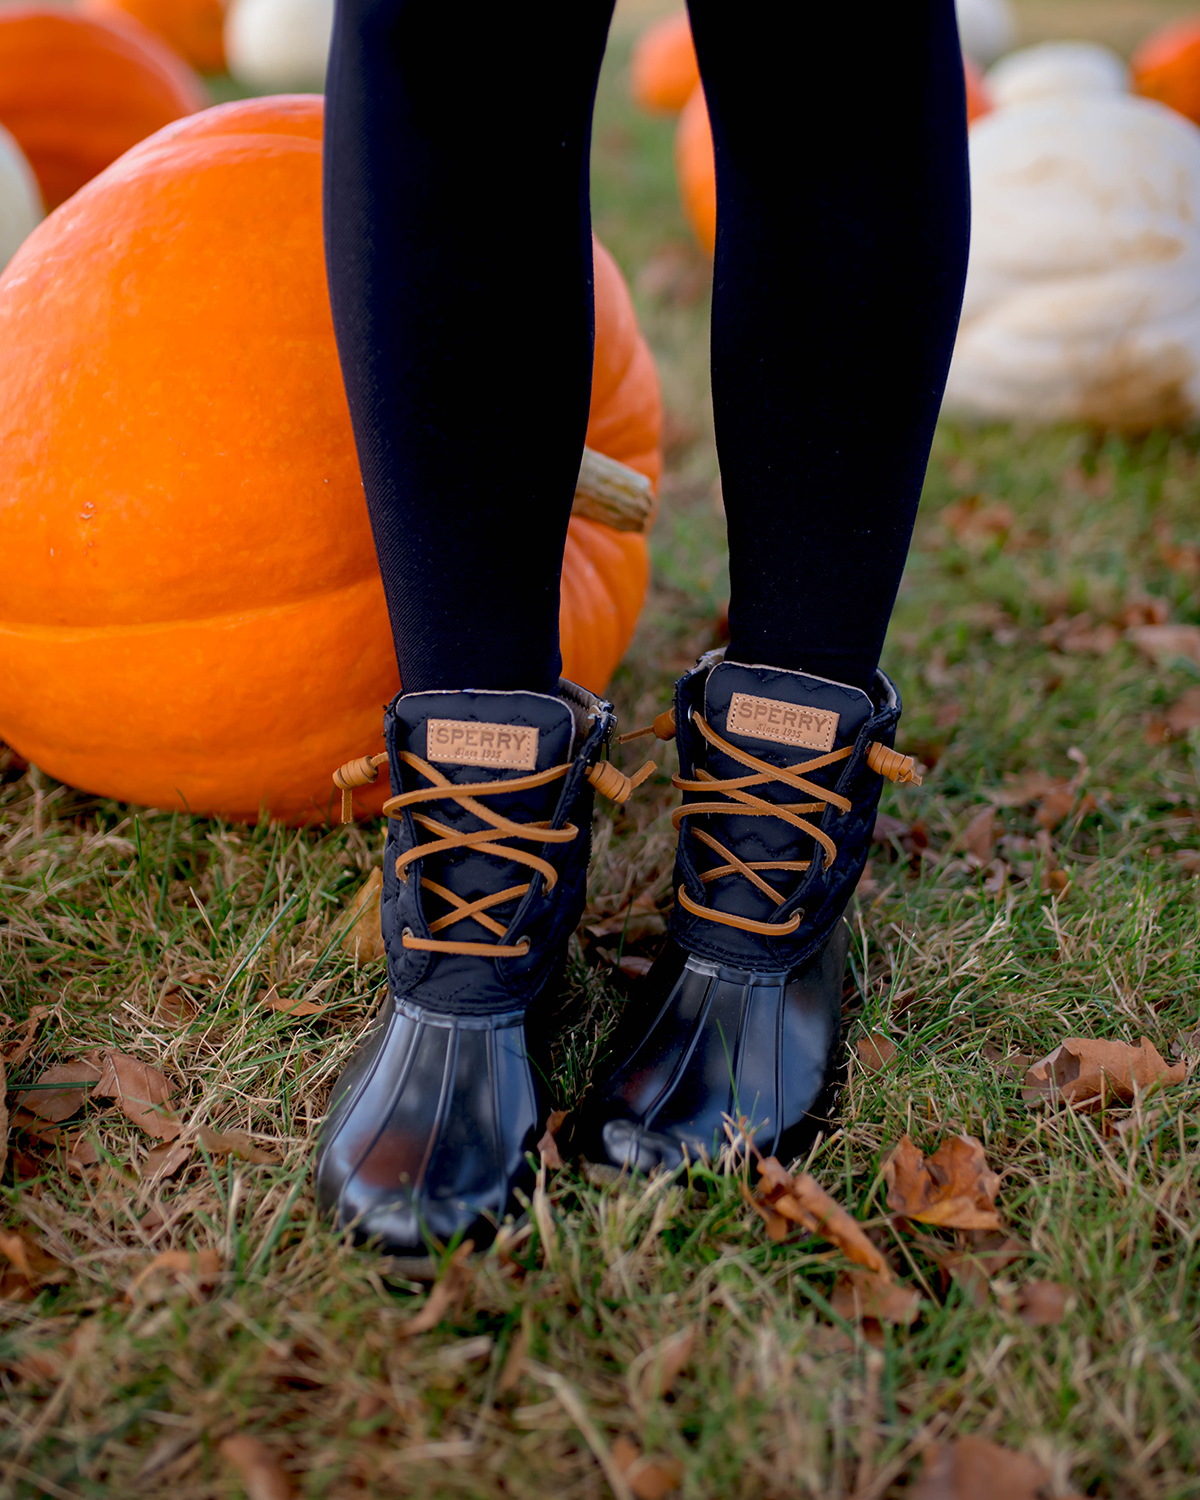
(458, 244)
(842, 223)
(460, 268)
(842, 229)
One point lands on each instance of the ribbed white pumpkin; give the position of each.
(1083, 291)
(986, 28)
(1054, 70)
(21, 208)
(280, 46)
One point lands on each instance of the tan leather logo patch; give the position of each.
(785, 723)
(459, 742)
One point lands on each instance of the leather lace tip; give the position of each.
(663, 727)
(614, 784)
(902, 769)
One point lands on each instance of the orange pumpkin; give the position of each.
(195, 28)
(1166, 67)
(191, 612)
(696, 170)
(77, 91)
(662, 67)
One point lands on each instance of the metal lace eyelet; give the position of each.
(524, 945)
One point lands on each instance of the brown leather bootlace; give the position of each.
(603, 775)
(741, 800)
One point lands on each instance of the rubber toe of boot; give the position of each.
(428, 1129)
(724, 1042)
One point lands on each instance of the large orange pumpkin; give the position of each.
(695, 165)
(1166, 67)
(663, 69)
(195, 28)
(76, 91)
(191, 612)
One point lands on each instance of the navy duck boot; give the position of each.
(484, 878)
(781, 774)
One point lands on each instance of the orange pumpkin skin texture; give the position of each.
(1166, 67)
(195, 28)
(663, 69)
(695, 165)
(77, 91)
(192, 613)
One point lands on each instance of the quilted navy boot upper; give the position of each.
(430, 1123)
(740, 1014)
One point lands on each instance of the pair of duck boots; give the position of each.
(432, 1123)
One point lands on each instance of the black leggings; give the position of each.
(459, 254)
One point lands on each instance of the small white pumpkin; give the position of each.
(1083, 291)
(986, 28)
(279, 46)
(1056, 69)
(21, 208)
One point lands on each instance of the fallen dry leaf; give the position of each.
(954, 1188)
(1041, 1303)
(514, 1362)
(81, 1152)
(1006, 1062)
(875, 1051)
(548, 1146)
(60, 1103)
(142, 1093)
(1084, 1072)
(1186, 1044)
(1055, 806)
(859, 1296)
(975, 1266)
(1184, 713)
(1188, 860)
(887, 828)
(979, 836)
(972, 1468)
(196, 1270)
(3, 1115)
(1080, 634)
(363, 939)
(658, 1368)
(17, 1051)
(450, 1292)
(29, 1266)
(648, 1477)
(234, 1143)
(259, 1471)
(165, 1160)
(175, 1009)
(1020, 790)
(295, 1007)
(1163, 643)
(801, 1200)
(976, 523)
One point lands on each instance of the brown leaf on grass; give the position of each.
(165, 1160)
(1164, 643)
(1018, 791)
(1055, 806)
(260, 1473)
(972, 1468)
(514, 1362)
(954, 1188)
(3, 1115)
(81, 1152)
(60, 1103)
(293, 1007)
(16, 1052)
(859, 1296)
(29, 1266)
(175, 1009)
(657, 1369)
(363, 938)
(548, 1146)
(235, 1143)
(975, 1266)
(1006, 1062)
(197, 1271)
(887, 828)
(801, 1200)
(979, 836)
(1080, 634)
(142, 1093)
(1184, 713)
(1186, 1044)
(448, 1293)
(875, 1052)
(1084, 1073)
(1188, 860)
(975, 522)
(649, 1477)
(1043, 1303)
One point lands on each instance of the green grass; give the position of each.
(160, 935)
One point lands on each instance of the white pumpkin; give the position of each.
(21, 208)
(279, 46)
(1083, 290)
(1055, 69)
(986, 28)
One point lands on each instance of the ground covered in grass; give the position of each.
(653, 1338)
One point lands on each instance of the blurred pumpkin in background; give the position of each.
(195, 28)
(77, 91)
(279, 45)
(20, 197)
(1166, 67)
(191, 613)
(662, 66)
